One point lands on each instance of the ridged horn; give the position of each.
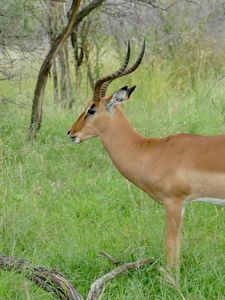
(110, 77)
(103, 83)
(106, 84)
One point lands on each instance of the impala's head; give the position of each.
(101, 109)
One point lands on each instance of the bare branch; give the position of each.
(57, 284)
(110, 258)
(51, 281)
(160, 7)
(96, 289)
(86, 10)
(9, 100)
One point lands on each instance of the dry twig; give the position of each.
(97, 287)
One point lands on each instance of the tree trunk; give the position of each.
(68, 75)
(36, 115)
(78, 58)
(54, 28)
(74, 19)
(63, 85)
(61, 76)
(55, 81)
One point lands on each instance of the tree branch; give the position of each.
(58, 285)
(36, 115)
(86, 10)
(96, 289)
(110, 258)
(51, 281)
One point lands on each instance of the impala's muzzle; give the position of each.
(75, 139)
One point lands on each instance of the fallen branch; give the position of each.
(110, 258)
(96, 289)
(58, 285)
(49, 280)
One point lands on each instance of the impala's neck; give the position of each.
(124, 146)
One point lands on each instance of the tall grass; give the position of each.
(62, 204)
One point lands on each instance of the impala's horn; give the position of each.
(108, 78)
(103, 83)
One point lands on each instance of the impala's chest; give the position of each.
(136, 172)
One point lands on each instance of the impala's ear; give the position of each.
(120, 96)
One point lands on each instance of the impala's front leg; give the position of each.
(174, 222)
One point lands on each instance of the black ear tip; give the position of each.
(130, 90)
(124, 88)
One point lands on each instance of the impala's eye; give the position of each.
(91, 111)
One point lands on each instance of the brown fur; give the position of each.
(171, 170)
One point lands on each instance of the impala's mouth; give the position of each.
(75, 139)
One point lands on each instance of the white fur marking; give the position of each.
(117, 98)
(211, 201)
(76, 140)
(183, 211)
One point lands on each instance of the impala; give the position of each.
(173, 170)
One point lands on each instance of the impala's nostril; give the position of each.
(68, 132)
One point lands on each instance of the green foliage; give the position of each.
(62, 204)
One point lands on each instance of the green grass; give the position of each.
(62, 204)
